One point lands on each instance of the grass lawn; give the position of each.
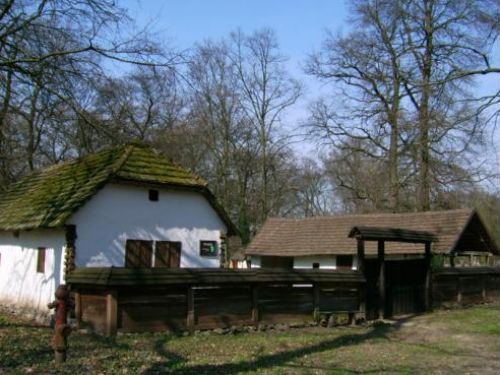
(465, 341)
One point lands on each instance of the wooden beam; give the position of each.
(361, 255)
(190, 309)
(361, 269)
(428, 278)
(381, 279)
(111, 312)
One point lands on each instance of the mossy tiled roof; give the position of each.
(46, 199)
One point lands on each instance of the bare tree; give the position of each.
(267, 90)
(139, 104)
(439, 51)
(412, 65)
(49, 47)
(365, 66)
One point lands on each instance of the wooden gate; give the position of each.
(405, 281)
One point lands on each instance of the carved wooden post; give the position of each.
(70, 252)
(190, 309)
(381, 279)
(111, 312)
(255, 305)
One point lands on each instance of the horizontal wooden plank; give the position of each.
(112, 276)
(467, 271)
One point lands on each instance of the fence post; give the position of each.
(459, 289)
(381, 279)
(255, 305)
(316, 291)
(78, 309)
(190, 309)
(483, 285)
(111, 312)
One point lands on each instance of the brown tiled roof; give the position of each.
(329, 234)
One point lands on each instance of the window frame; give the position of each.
(173, 247)
(129, 257)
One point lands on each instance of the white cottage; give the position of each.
(122, 207)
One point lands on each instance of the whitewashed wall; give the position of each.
(255, 261)
(20, 283)
(325, 261)
(120, 212)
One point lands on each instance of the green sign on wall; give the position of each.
(208, 248)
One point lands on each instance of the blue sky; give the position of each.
(300, 27)
(299, 24)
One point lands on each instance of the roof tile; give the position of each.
(329, 234)
(49, 197)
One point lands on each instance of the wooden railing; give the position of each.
(468, 259)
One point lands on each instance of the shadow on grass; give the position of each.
(22, 353)
(173, 364)
(21, 324)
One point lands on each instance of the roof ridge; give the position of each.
(120, 161)
(372, 214)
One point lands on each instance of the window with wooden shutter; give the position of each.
(167, 254)
(40, 260)
(138, 253)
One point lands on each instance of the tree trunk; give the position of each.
(423, 138)
(4, 162)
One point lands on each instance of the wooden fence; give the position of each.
(135, 300)
(465, 285)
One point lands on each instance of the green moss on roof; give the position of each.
(47, 198)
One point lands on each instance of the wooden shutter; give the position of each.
(40, 260)
(168, 254)
(138, 254)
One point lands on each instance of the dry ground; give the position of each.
(465, 341)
